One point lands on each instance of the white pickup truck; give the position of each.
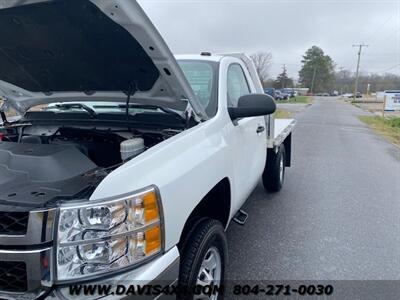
(127, 164)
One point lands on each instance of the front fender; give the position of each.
(184, 168)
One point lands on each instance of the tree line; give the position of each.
(318, 73)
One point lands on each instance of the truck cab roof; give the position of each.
(213, 57)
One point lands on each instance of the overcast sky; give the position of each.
(285, 28)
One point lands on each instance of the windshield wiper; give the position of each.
(86, 108)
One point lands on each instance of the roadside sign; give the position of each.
(392, 101)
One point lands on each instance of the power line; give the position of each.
(390, 35)
(391, 68)
(369, 36)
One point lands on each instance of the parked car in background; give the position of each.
(290, 92)
(281, 95)
(346, 95)
(358, 95)
(278, 95)
(270, 91)
(334, 93)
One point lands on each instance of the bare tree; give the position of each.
(262, 61)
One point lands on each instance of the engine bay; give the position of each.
(40, 164)
(101, 145)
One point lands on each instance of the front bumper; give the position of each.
(162, 271)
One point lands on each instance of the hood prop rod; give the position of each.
(132, 89)
(4, 117)
(2, 113)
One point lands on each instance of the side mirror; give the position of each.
(253, 105)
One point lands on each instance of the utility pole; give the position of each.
(360, 46)
(313, 80)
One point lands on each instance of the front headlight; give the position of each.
(106, 236)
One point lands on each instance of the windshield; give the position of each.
(202, 77)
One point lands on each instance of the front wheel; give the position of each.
(274, 172)
(203, 259)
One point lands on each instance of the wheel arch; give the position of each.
(215, 205)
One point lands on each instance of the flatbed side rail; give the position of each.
(283, 127)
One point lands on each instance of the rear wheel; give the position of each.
(274, 172)
(203, 258)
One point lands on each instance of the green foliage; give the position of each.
(283, 114)
(319, 66)
(394, 122)
(283, 81)
(388, 127)
(299, 99)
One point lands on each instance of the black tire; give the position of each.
(206, 234)
(271, 177)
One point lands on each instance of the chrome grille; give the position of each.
(13, 223)
(13, 277)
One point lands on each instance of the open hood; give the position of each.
(86, 50)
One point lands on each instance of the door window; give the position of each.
(237, 85)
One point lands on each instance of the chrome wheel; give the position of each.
(210, 272)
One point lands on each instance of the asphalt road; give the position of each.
(338, 215)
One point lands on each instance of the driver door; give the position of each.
(249, 138)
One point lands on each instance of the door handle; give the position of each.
(260, 129)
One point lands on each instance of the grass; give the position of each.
(388, 127)
(283, 114)
(298, 99)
